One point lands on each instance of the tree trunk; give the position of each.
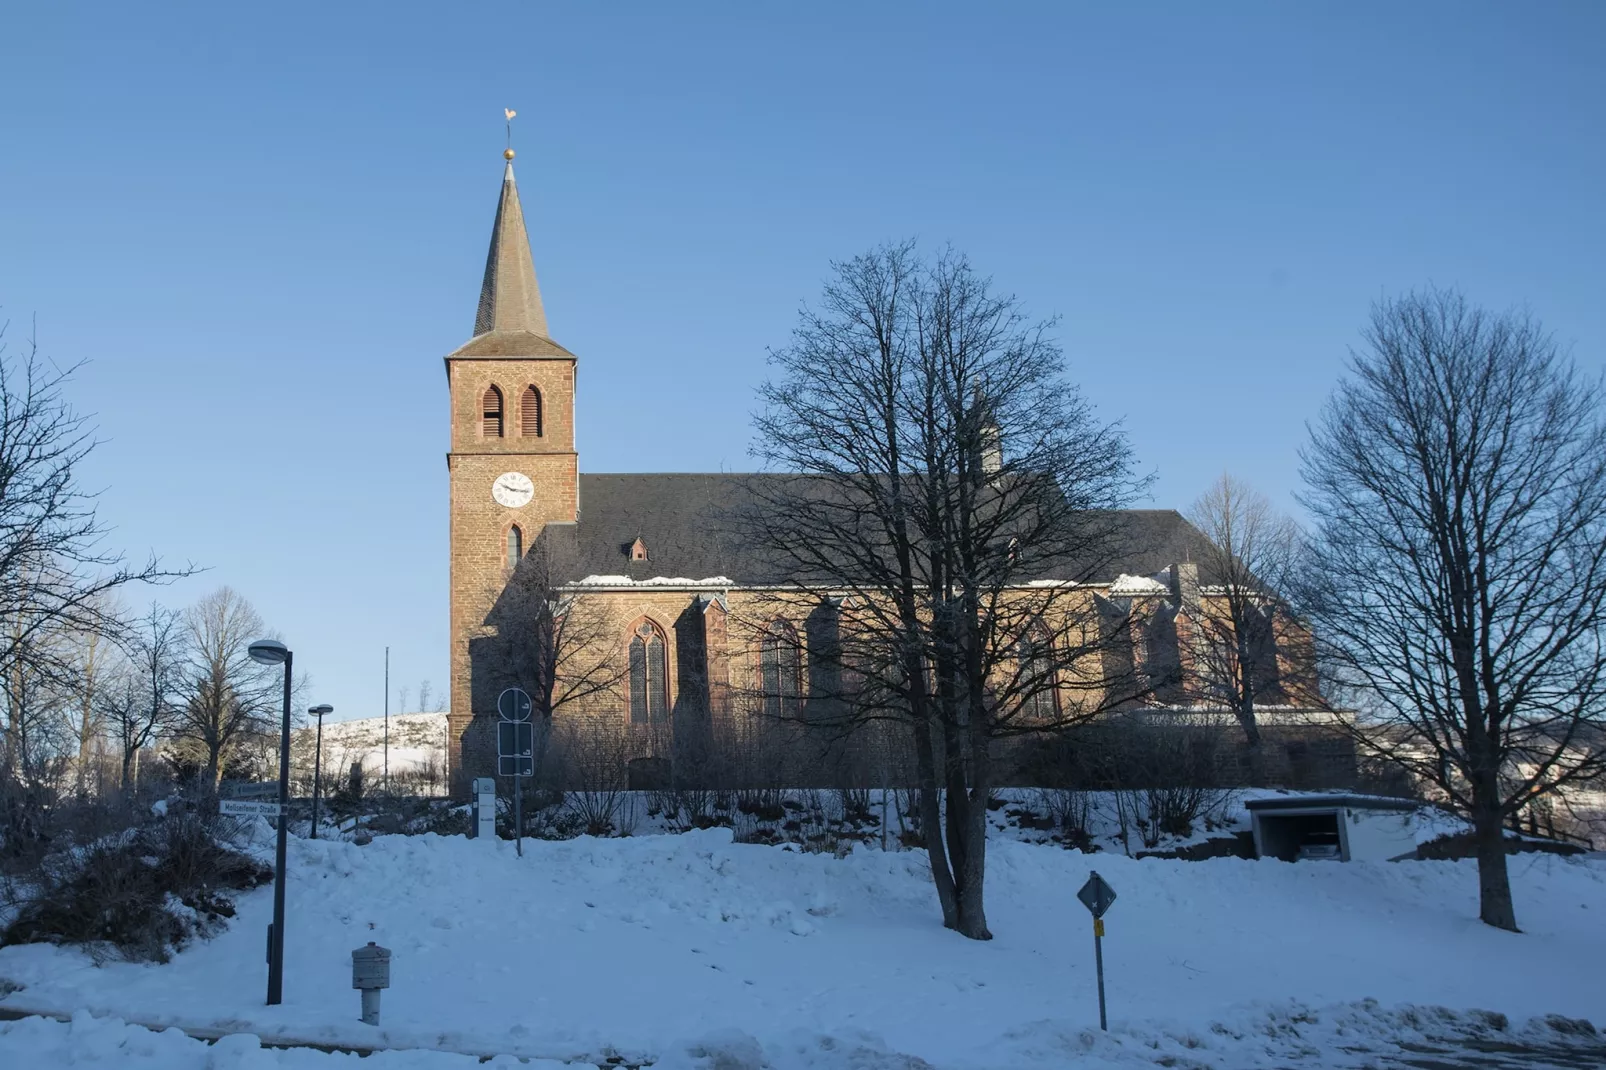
(931, 824)
(967, 833)
(1246, 694)
(1494, 886)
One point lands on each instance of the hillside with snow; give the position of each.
(417, 747)
(691, 952)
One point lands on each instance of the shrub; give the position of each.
(142, 894)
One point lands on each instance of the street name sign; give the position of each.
(249, 808)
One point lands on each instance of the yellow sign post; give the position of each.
(1097, 896)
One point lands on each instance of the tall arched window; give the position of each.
(491, 413)
(1038, 686)
(515, 546)
(780, 672)
(530, 413)
(649, 676)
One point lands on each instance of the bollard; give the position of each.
(484, 824)
(370, 971)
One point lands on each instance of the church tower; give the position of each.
(512, 466)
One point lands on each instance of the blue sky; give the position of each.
(263, 226)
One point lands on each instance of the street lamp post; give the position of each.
(273, 652)
(317, 763)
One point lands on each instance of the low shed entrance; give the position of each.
(1343, 827)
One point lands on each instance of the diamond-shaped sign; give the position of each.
(1096, 895)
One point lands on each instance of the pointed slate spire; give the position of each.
(510, 321)
(510, 298)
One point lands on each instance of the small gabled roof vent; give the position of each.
(638, 549)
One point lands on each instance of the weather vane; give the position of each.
(510, 113)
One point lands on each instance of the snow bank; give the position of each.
(662, 946)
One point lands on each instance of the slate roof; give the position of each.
(684, 519)
(510, 320)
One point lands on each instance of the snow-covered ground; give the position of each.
(693, 951)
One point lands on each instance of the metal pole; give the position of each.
(387, 720)
(518, 807)
(276, 963)
(885, 778)
(1098, 958)
(317, 769)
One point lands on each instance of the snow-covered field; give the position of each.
(693, 951)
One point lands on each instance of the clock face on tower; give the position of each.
(513, 489)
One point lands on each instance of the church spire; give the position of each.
(510, 298)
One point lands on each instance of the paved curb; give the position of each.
(10, 1012)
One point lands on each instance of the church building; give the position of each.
(661, 608)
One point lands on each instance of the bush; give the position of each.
(143, 894)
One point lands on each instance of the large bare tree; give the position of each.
(1458, 574)
(229, 699)
(1250, 552)
(142, 699)
(935, 469)
(93, 659)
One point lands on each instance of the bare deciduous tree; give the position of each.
(94, 671)
(230, 698)
(35, 749)
(56, 575)
(564, 651)
(1250, 552)
(940, 474)
(1458, 576)
(143, 699)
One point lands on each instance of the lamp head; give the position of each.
(322, 709)
(269, 652)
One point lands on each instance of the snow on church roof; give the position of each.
(655, 581)
(1128, 586)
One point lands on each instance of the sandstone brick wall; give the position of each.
(478, 523)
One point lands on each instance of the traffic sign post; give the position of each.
(1098, 897)
(515, 748)
(515, 751)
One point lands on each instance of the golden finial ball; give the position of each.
(508, 155)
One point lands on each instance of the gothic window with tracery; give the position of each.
(780, 671)
(1037, 681)
(649, 676)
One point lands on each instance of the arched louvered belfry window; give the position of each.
(530, 413)
(515, 546)
(649, 675)
(491, 413)
(780, 671)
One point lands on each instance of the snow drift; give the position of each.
(657, 947)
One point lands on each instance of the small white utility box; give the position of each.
(370, 972)
(484, 825)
